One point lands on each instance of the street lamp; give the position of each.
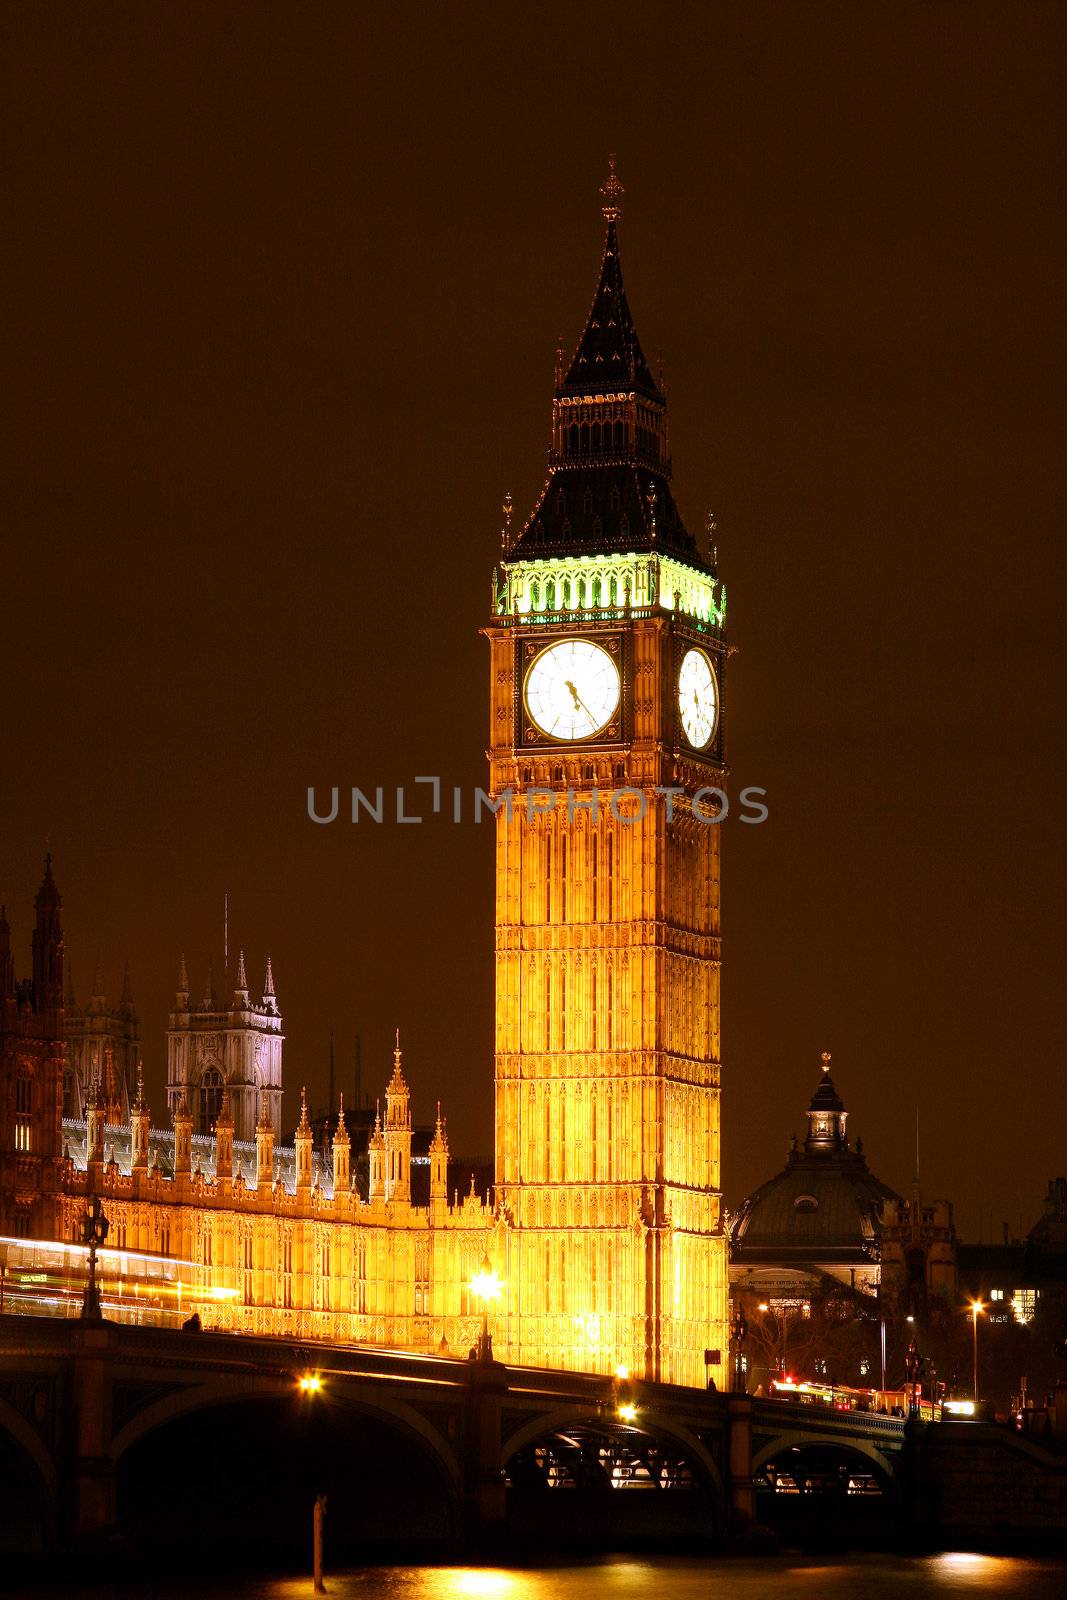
(94, 1231)
(976, 1306)
(487, 1286)
(738, 1334)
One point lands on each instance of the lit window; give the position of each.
(1024, 1304)
(996, 1294)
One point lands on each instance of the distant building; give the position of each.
(233, 1047)
(103, 1043)
(817, 1222)
(1010, 1278)
(918, 1253)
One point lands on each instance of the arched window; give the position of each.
(23, 1112)
(613, 590)
(550, 595)
(596, 436)
(210, 1100)
(584, 437)
(535, 595)
(566, 593)
(596, 591)
(620, 436)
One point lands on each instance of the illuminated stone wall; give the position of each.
(607, 1024)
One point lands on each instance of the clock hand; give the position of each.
(579, 702)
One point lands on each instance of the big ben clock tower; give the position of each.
(607, 721)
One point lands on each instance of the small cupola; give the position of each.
(826, 1114)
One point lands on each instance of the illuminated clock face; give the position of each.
(698, 698)
(572, 689)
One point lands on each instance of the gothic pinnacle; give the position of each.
(613, 191)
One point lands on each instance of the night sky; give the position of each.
(282, 288)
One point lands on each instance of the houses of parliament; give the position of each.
(607, 660)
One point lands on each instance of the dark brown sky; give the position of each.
(283, 284)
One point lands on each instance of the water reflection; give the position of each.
(939, 1577)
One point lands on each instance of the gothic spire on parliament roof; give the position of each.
(397, 1083)
(48, 894)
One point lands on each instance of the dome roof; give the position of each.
(823, 1206)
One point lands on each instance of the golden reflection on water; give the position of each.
(879, 1577)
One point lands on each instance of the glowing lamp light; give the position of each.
(763, 1306)
(622, 1373)
(627, 1413)
(485, 1283)
(309, 1383)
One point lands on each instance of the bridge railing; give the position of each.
(787, 1413)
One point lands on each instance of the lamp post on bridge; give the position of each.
(488, 1287)
(738, 1335)
(976, 1307)
(95, 1228)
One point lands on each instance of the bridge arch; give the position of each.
(282, 1448)
(804, 1441)
(662, 1428)
(206, 1396)
(30, 1499)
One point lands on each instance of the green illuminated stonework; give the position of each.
(549, 590)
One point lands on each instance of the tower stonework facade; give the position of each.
(235, 1046)
(31, 1072)
(606, 723)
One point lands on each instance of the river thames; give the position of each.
(955, 1575)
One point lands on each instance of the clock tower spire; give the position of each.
(606, 747)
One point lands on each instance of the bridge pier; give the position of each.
(90, 1510)
(742, 1508)
(482, 1450)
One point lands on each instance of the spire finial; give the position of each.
(613, 191)
(139, 1103)
(303, 1126)
(268, 982)
(505, 532)
(242, 976)
(341, 1131)
(825, 1058)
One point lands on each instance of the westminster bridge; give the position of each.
(150, 1433)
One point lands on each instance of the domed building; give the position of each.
(817, 1222)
